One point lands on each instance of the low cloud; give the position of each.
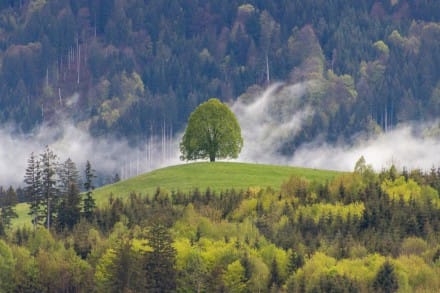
(265, 129)
(268, 120)
(107, 156)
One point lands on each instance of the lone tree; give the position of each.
(212, 132)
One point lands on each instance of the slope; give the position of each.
(217, 176)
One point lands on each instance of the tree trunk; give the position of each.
(212, 157)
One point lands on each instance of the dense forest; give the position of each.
(359, 232)
(131, 68)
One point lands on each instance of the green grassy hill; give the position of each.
(217, 176)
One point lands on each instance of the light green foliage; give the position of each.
(103, 273)
(414, 273)
(41, 240)
(401, 188)
(234, 278)
(325, 210)
(382, 48)
(26, 270)
(7, 265)
(270, 252)
(213, 132)
(61, 268)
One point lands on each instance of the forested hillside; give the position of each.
(356, 232)
(133, 67)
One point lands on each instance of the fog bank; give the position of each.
(266, 127)
(107, 156)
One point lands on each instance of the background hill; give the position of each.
(135, 68)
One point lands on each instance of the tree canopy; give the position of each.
(212, 132)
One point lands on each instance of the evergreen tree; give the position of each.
(69, 208)
(68, 175)
(160, 270)
(89, 201)
(49, 163)
(386, 279)
(32, 180)
(8, 200)
(275, 278)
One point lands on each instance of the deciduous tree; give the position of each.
(212, 132)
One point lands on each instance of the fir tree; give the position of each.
(8, 200)
(386, 279)
(69, 208)
(49, 163)
(32, 180)
(89, 201)
(160, 271)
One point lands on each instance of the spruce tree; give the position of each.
(32, 179)
(159, 263)
(49, 163)
(8, 200)
(89, 201)
(69, 208)
(386, 279)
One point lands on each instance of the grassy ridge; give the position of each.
(217, 176)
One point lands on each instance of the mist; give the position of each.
(268, 120)
(265, 128)
(107, 156)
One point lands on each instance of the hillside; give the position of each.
(218, 176)
(358, 232)
(134, 69)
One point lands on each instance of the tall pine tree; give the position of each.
(8, 200)
(160, 270)
(69, 208)
(89, 201)
(32, 179)
(49, 191)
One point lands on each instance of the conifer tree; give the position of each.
(386, 279)
(8, 200)
(49, 163)
(69, 208)
(32, 180)
(160, 271)
(89, 201)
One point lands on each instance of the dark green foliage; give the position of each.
(89, 202)
(187, 51)
(336, 284)
(8, 200)
(386, 279)
(49, 190)
(69, 210)
(33, 186)
(159, 263)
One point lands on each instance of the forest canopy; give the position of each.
(137, 65)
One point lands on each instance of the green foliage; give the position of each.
(7, 264)
(8, 200)
(160, 273)
(234, 277)
(212, 132)
(315, 232)
(386, 279)
(89, 200)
